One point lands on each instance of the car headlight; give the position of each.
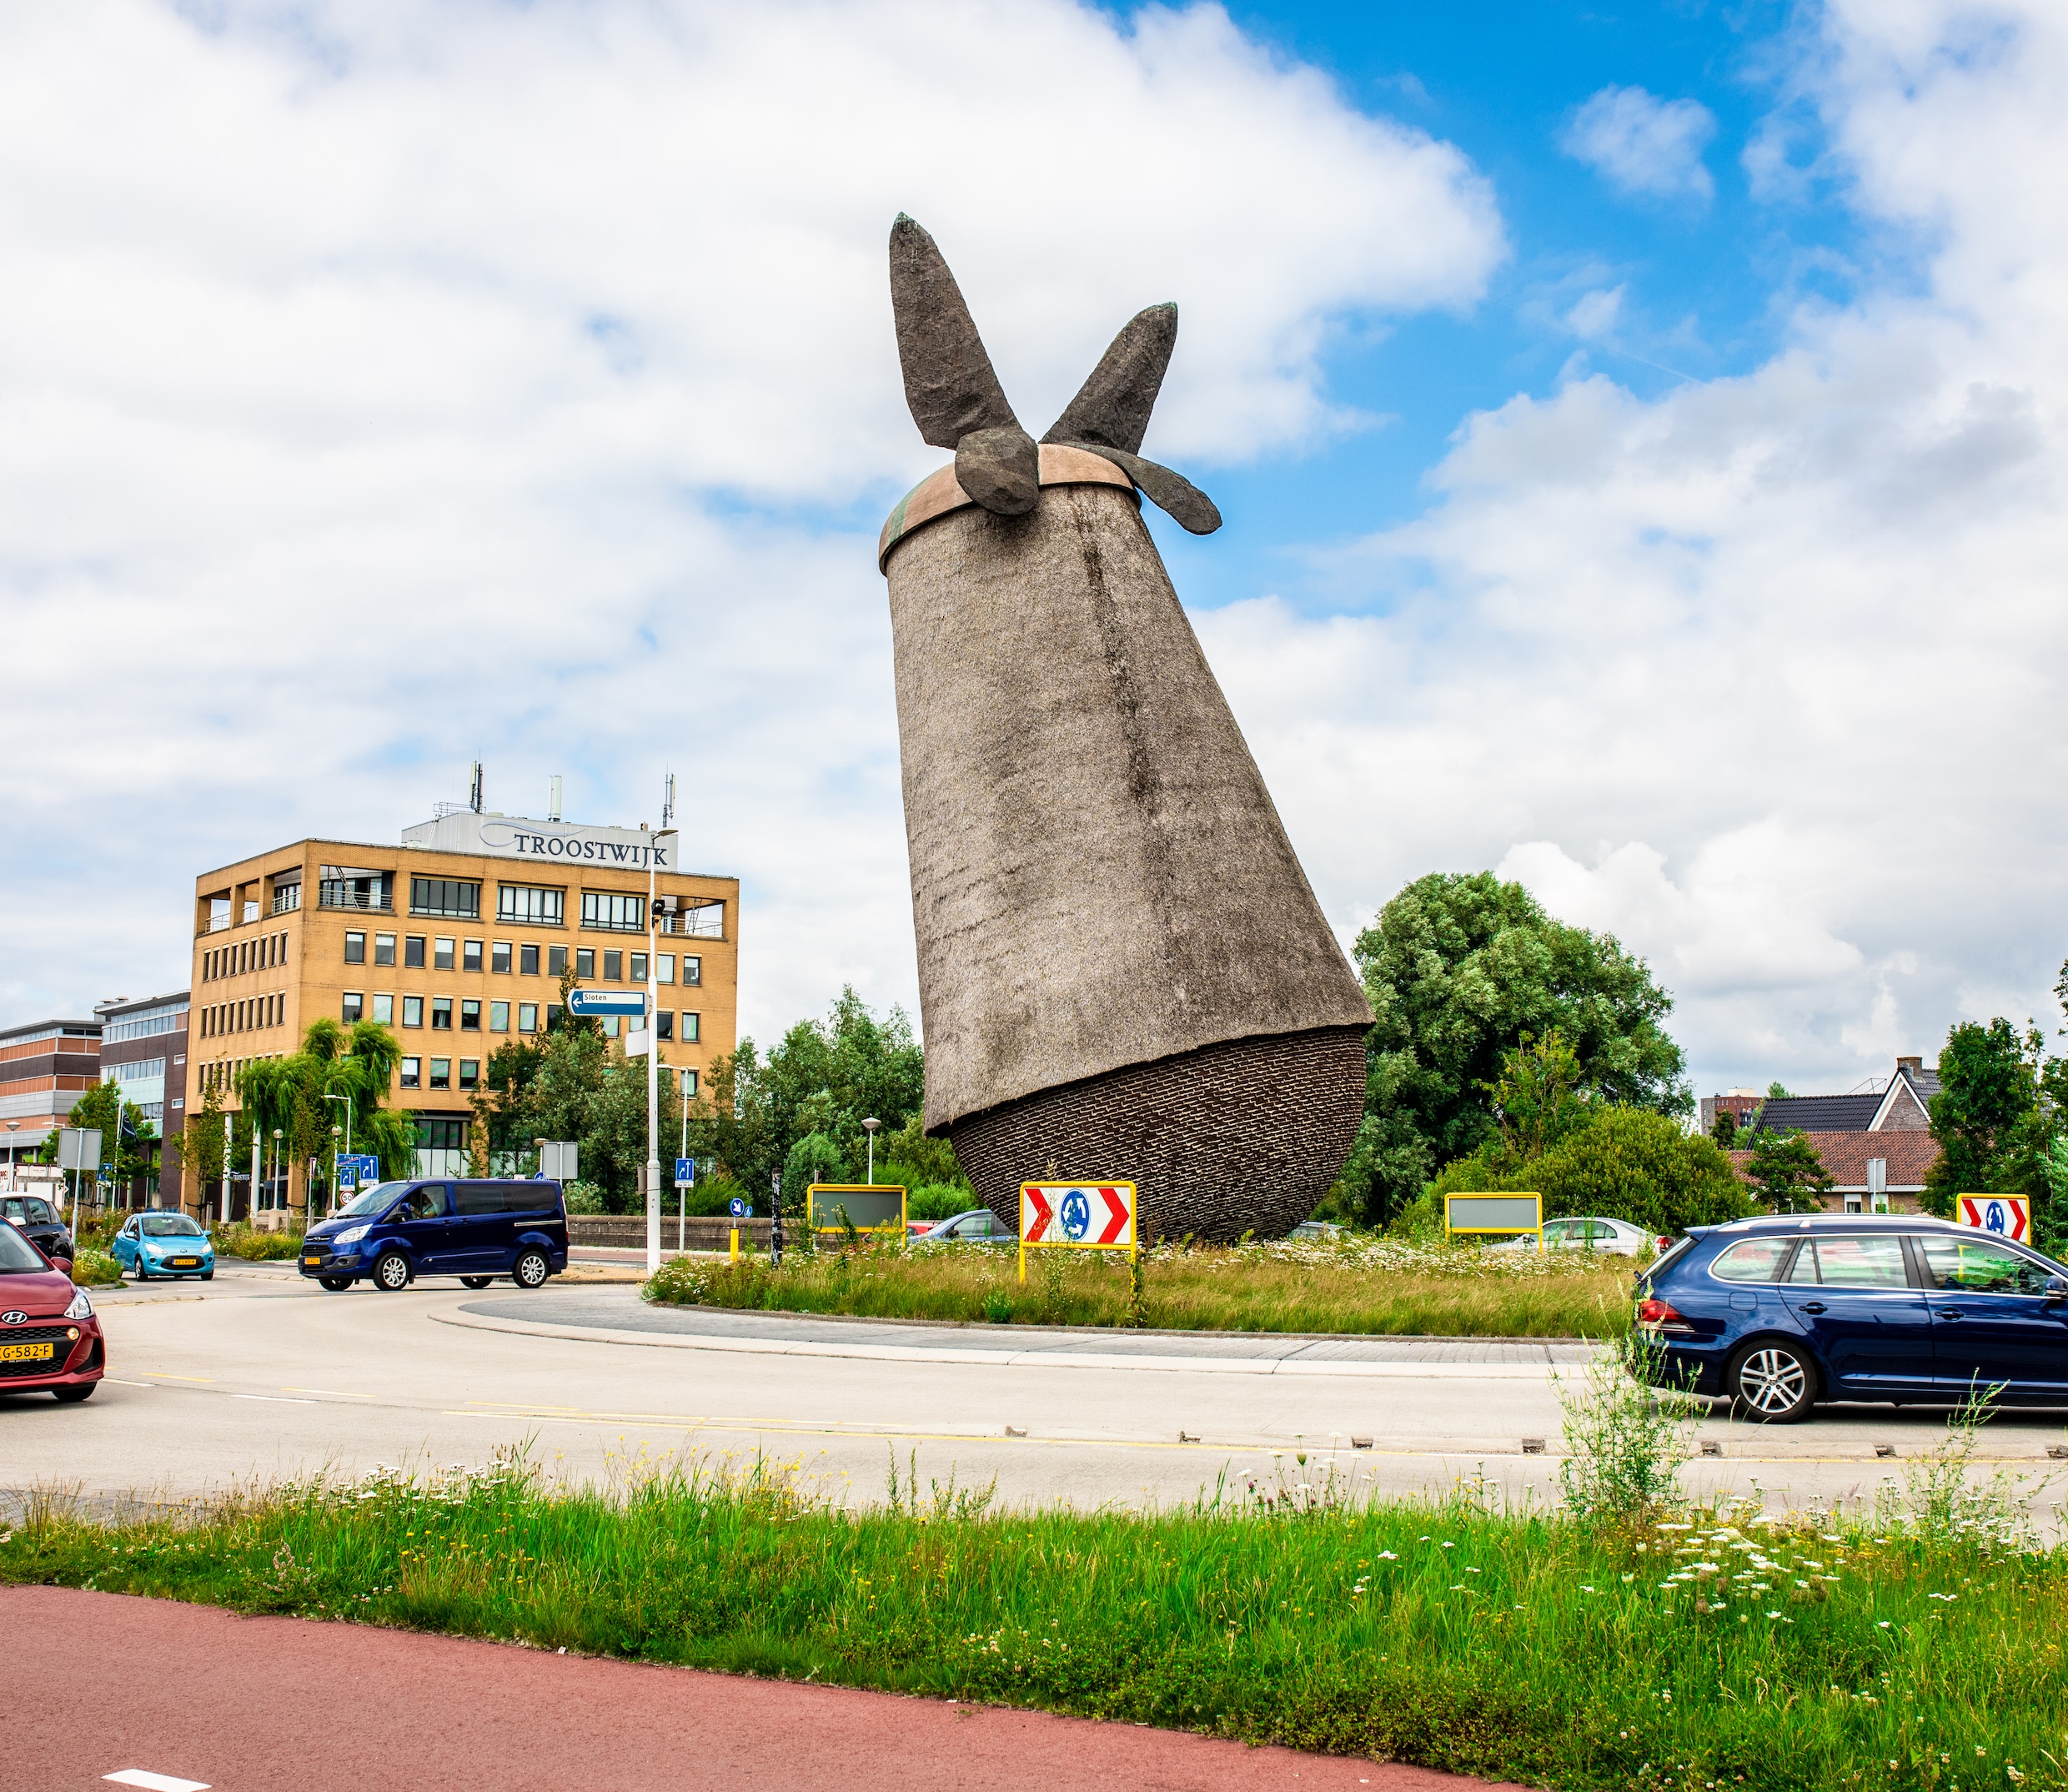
(81, 1307)
(351, 1235)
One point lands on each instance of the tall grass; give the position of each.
(1371, 1286)
(256, 1247)
(1707, 1649)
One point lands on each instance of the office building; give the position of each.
(45, 1068)
(457, 940)
(144, 1048)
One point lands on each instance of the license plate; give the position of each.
(186, 1262)
(27, 1353)
(312, 1263)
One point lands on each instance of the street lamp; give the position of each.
(279, 1133)
(870, 1127)
(335, 1131)
(653, 1029)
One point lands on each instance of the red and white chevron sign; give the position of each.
(1090, 1216)
(2007, 1216)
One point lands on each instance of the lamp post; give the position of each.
(653, 1030)
(279, 1133)
(870, 1126)
(335, 1133)
(13, 1126)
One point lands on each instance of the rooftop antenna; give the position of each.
(667, 803)
(553, 798)
(474, 789)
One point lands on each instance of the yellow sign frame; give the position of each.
(1496, 1231)
(1132, 1247)
(816, 1189)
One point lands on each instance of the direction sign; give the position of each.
(1077, 1216)
(740, 1210)
(2008, 1215)
(631, 1001)
(685, 1172)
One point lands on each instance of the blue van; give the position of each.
(477, 1230)
(1778, 1314)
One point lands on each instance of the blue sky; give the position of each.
(1639, 433)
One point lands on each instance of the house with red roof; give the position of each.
(1876, 1147)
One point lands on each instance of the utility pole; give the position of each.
(653, 1029)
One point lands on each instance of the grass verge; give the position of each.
(1358, 1286)
(1709, 1650)
(255, 1246)
(94, 1269)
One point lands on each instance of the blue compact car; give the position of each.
(477, 1230)
(163, 1244)
(1779, 1314)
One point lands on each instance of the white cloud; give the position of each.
(384, 386)
(1595, 315)
(1766, 674)
(1641, 143)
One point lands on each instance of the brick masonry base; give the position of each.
(1245, 1136)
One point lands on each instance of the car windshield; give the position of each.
(375, 1200)
(17, 1256)
(169, 1225)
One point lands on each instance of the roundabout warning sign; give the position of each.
(2008, 1215)
(1076, 1217)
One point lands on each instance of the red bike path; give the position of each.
(257, 1704)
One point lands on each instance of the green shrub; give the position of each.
(582, 1198)
(255, 1246)
(939, 1201)
(95, 1269)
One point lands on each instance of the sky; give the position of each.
(1640, 431)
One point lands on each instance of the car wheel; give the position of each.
(72, 1396)
(336, 1284)
(208, 1275)
(1775, 1383)
(476, 1282)
(391, 1274)
(531, 1270)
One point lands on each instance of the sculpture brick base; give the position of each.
(1245, 1136)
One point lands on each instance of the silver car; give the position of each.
(979, 1226)
(1618, 1238)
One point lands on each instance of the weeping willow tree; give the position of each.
(338, 1072)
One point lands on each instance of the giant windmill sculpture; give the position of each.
(1123, 969)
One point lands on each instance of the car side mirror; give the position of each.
(62, 1265)
(2057, 1288)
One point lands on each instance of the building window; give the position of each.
(384, 1010)
(704, 921)
(528, 961)
(412, 1010)
(689, 1085)
(469, 1017)
(445, 895)
(469, 1073)
(355, 948)
(441, 955)
(614, 967)
(692, 970)
(287, 897)
(556, 961)
(612, 1024)
(470, 956)
(663, 966)
(498, 1016)
(441, 1014)
(354, 1006)
(412, 1073)
(499, 958)
(552, 1016)
(441, 1073)
(347, 886)
(531, 902)
(384, 948)
(527, 1016)
(621, 914)
(663, 1023)
(413, 952)
(584, 962)
(692, 1028)
(639, 967)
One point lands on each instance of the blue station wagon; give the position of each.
(477, 1230)
(1781, 1314)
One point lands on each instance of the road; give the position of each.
(258, 1375)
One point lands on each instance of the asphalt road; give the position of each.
(259, 1375)
(348, 1705)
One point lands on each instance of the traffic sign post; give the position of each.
(2007, 1216)
(618, 1001)
(685, 1180)
(1482, 1216)
(1078, 1216)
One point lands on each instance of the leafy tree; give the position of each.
(814, 1158)
(125, 1132)
(1627, 1163)
(574, 1083)
(1538, 1099)
(1776, 1091)
(1987, 1116)
(1787, 1172)
(292, 1095)
(1458, 968)
(1724, 1130)
(909, 1157)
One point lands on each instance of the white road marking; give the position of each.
(278, 1399)
(138, 1776)
(120, 1383)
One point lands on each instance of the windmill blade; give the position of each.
(1111, 408)
(949, 381)
(1190, 508)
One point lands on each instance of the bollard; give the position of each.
(735, 1244)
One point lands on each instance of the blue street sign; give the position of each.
(628, 1002)
(739, 1208)
(685, 1172)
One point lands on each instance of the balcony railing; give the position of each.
(357, 899)
(708, 923)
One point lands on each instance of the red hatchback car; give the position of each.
(50, 1342)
